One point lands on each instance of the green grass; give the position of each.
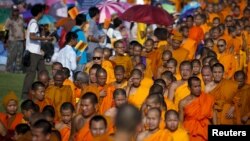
(10, 82)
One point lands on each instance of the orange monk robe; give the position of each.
(10, 124)
(84, 133)
(65, 133)
(59, 96)
(148, 72)
(68, 82)
(90, 88)
(197, 115)
(242, 106)
(43, 103)
(211, 16)
(180, 93)
(125, 61)
(108, 66)
(196, 33)
(236, 43)
(248, 73)
(223, 94)
(190, 45)
(106, 102)
(139, 96)
(205, 28)
(180, 134)
(247, 36)
(162, 45)
(226, 11)
(160, 135)
(170, 104)
(104, 137)
(241, 60)
(229, 62)
(180, 55)
(154, 56)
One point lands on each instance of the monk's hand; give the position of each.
(230, 113)
(103, 93)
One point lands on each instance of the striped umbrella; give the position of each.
(107, 8)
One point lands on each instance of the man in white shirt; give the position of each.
(34, 47)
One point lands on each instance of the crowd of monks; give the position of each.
(168, 85)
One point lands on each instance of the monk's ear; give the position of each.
(96, 107)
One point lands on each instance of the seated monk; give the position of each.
(64, 126)
(154, 100)
(38, 95)
(98, 126)
(137, 58)
(20, 131)
(42, 130)
(69, 82)
(177, 132)
(223, 93)
(196, 111)
(120, 78)
(28, 108)
(179, 89)
(80, 123)
(119, 98)
(59, 93)
(107, 65)
(121, 59)
(154, 132)
(172, 66)
(136, 92)
(166, 55)
(105, 91)
(10, 118)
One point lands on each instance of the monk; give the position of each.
(11, 117)
(80, 123)
(67, 81)
(107, 65)
(126, 131)
(154, 132)
(98, 126)
(28, 108)
(154, 100)
(179, 89)
(137, 58)
(196, 65)
(188, 43)
(120, 58)
(172, 125)
(64, 126)
(146, 81)
(119, 98)
(136, 92)
(121, 81)
(59, 93)
(20, 130)
(179, 53)
(43, 76)
(168, 78)
(55, 67)
(241, 100)
(196, 111)
(38, 95)
(223, 94)
(105, 91)
(172, 66)
(41, 130)
(166, 56)
(107, 53)
(92, 73)
(226, 59)
(207, 77)
(49, 114)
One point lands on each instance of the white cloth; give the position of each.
(67, 57)
(34, 46)
(113, 33)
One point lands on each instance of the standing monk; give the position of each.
(207, 77)
(80, 123)
(223, 94)
(179, 89)
(196, 111)
(136, 92)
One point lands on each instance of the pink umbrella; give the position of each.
(51, 2)
(107, 8)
